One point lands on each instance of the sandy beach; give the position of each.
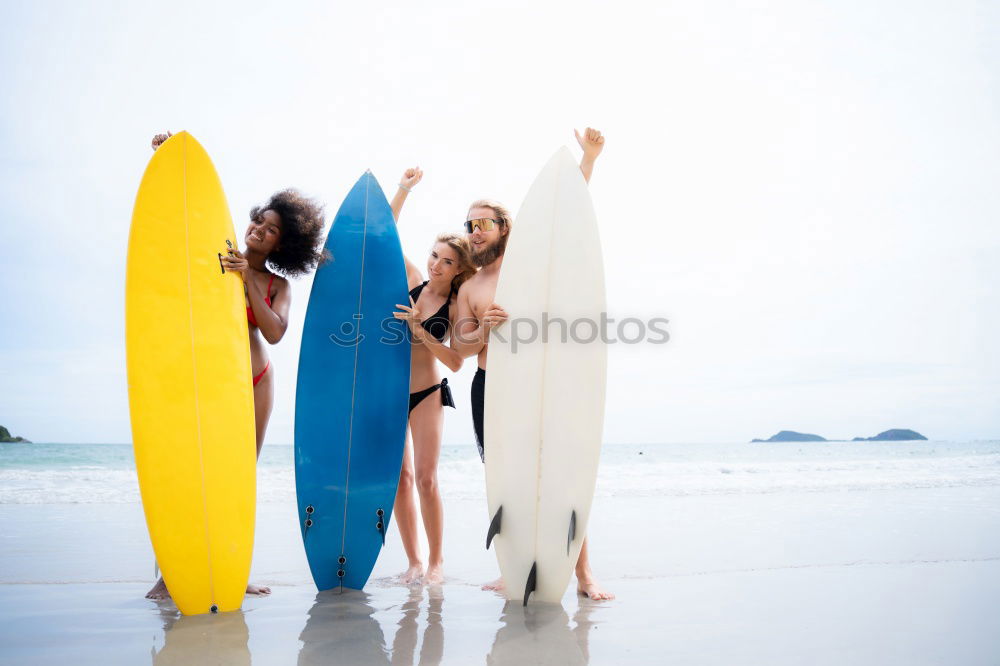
(897, 570)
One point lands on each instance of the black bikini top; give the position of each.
(438, 323)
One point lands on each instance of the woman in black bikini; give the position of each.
(449, 265)
(285, 235)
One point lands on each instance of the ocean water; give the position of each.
(105, 473)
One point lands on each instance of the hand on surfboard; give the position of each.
(160, 138)
(591, 141)
(236, 262)
(411, 177)
(494, 316)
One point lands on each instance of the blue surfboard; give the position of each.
(352, 393)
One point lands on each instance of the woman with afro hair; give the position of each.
(284, 239)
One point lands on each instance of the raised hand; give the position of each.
(411, 177)
(591, 141)
(160, 138)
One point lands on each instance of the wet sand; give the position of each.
(874, 577)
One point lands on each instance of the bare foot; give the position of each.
(591, 589)
(495, 586)
(258, 590)
(412, 575)
(435, 574)
(159, 592)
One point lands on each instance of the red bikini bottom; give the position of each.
(257, 378)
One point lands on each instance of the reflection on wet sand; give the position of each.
(540, 633)
(583, 626)
(203, 639)
(404, 644)
(397, 626)
(340, 627)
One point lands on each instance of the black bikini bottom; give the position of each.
(446, 398)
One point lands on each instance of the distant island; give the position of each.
(5, 436)
(792, 436)
(895, 435)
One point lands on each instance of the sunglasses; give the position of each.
(481, 223)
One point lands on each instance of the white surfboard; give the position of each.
(544, 411)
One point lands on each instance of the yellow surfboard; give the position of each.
(190, 389)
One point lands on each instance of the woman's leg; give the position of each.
(405, 513)
(426, 424)
(263, 402)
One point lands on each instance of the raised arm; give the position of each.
(409, 179)
(592, 144)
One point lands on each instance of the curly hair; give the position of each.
(301, 246)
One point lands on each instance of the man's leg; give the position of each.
(586, 584)
(478, 405)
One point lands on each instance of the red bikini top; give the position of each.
(267, 299)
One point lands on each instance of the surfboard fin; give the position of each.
(380, 525)
(494, 527)
(530, 585)
(572, 531)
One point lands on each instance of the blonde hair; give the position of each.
(503, 215)
(460, 244)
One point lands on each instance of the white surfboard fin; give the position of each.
(494, 527)
(572, 531)
(530, 585)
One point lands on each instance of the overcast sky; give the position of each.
(806, 190)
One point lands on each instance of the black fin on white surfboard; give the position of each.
(494, 527)
(572, 531)
(530, 585)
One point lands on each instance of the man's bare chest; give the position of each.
(482, 296)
